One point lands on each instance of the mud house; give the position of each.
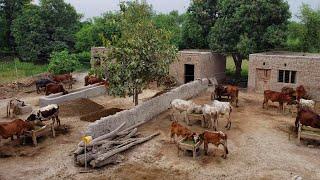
(194, 64)
(274, 70)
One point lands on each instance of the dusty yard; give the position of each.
(258, 144)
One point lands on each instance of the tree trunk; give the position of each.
(237, 58)
(136, 93)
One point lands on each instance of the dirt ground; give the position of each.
(259, 148)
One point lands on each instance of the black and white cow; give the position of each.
(46, 113)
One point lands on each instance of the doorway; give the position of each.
(263, 80)
(188, 73)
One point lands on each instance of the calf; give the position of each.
(88, 80)
(64, 78)
(16, 127)
(276, 97)
(307, 117)
(212, 113)
(50, 112)
(179, 130)
(53, 88)
(179, 105)
(301, 92)
(216, 138)
(223, 108)
(14, 105)
(42, 83)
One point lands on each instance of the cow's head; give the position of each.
(196, 138)
(32, 117)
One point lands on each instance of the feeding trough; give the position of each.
(40, 131)
(189, 145)
(308, 132)
(197, 117)
(84, 92)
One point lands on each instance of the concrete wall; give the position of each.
(306, 65)
(207, 64)
(84, 92)
(147, 110)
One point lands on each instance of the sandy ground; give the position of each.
(258, 144)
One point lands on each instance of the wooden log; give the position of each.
(132, 127)
(115, 159)
(105, 136)
(105, 156)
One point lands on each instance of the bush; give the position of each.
(84, 58)
(63, 62)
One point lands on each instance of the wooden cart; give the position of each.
(200, 117)
(184, 145)
(42, 131)
(308, 132)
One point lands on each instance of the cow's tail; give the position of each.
(226, 144)
(8, 108)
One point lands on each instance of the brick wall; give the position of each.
(307, 67)
(147, 110)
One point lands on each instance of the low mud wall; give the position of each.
(84, 92)
(147, 110)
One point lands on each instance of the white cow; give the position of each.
(181, 106)
(223, 108)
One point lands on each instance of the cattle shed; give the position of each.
(198, 64)
(274, 70)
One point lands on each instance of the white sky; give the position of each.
(91, 8)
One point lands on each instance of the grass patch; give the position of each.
(13, 70)
(231, 67)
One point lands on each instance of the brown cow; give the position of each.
(301, 92)
(307, 117)
(16, 127)
(64, 78)
(216, 138)
(179, 130)
(53, 88)
(88, 80)
(229, 91)
(276, 97)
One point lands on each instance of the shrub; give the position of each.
(63, 62)
(84, 58)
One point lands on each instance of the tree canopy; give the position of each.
(244, 26)
(51, 27)
(141, 52)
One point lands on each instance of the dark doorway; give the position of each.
(188, 73)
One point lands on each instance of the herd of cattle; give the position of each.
(306, 114)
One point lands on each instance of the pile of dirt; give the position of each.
(79, 107)
(11, 150)
(91, 117)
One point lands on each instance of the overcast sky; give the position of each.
(91, 8)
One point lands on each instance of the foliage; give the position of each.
(97, 72)
(201, 16)
(305, 35)
(245, 27)
(51, 27)
(141, 54)
(63, 62)
(91, 33)
(13, 70)
(171, 22)
(83, 57)
(9, 10)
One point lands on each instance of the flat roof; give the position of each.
(288, 54)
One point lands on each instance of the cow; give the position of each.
(179, 130)
(223, 108)
(42, 83)
(181, 106)
(307, 117)
(211, 112)
(88, 80)
(229, 91)
(216, 138)
(301, 92)
(53, 88)
(64, 78)
(14, 105)
(16, 127)
(50, 112)
(274, 96)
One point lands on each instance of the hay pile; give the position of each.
(79, 107)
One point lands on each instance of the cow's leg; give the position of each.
(58, 120)
(205, 147)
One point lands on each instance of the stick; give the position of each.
(132, 127)
(115, 159)
(103, 157)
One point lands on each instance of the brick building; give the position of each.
(194, 64)
(274, 70)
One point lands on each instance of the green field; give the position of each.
(13, 70)
(231, 67)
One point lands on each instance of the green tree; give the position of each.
(142, 52)
(10, 10)
(63, 62)
(201, 16)
(50, 27)
(246, 26)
